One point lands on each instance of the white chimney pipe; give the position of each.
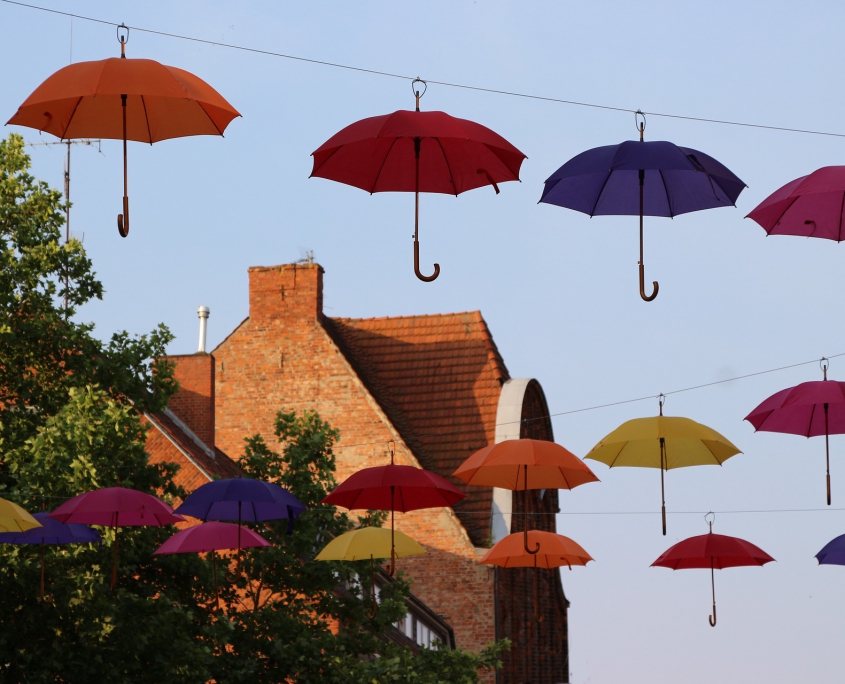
(202, 313)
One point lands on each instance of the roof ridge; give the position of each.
(387, 318)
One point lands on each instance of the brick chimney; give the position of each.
(290, 291)
(193, 404)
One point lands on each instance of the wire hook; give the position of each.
(640, 124)
(710, 518)
(661, 399)
(824, 364)
(122, 38)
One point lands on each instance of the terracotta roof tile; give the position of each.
(438, 378)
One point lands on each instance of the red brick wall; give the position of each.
(282, 358)
(194, 402)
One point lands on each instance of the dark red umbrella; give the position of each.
(394, 488)
(714, 551)
(417, 152)
(810, 206)
(810, 409)
(116, 507)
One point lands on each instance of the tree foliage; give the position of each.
(70, 421)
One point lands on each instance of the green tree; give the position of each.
(70, 421)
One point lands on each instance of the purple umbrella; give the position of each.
(51, 532)
(211, 536)
(833, 552)
(646, 178)
(244, 500)
(810, 409)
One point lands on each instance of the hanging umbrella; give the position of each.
(553, 551)
(810, 206)
(244, 500)
(714, 551)
(512, 463)
(833, 552)
(663, 442)
(647, 178)
(417, 152)
(211, 537)
(125, 99)
(810, 409)
(394, 488)
(116, 507)
(51, 532)
(372, 543)
(13, 518)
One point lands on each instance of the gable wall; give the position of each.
(282, 358)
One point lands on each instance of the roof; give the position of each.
(438, 379)
(211, 461)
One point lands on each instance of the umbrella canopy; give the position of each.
(116, 507)
(369, 543)
(714, 551)
(417, 152)
(553, 551)
(655, 178)
(394, 488)
(242, 499)
(51, 532)
(833, 552)
(211, 536)
(125, 99)
(13, 518)
(810, 206)
(663, 442)
(525, 464)
(810, 409)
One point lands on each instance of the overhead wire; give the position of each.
(448, 84)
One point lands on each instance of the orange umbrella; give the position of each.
(525, 464)
(553, 551)
(125, 99)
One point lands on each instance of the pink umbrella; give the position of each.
(212, 536)
(810, 409)
(810, 206)
(116, 507)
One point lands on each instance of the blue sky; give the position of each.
(558, 290)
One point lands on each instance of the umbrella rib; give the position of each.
(598, 194)
(448, 166)
(841, 209)
(810, 422)
(217, 128)
(317, 168)
(72, 114)
(147, 119)
(380, 168)
(666, 191)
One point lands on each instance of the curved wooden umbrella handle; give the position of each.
(712, 618)
(646, 297)
(123, 219)
(525, 544)
(425, 279)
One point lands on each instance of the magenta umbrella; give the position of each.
(116, 507)
(810, 409)
(810, 206)
(211, 537)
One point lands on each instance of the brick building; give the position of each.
(435, 386)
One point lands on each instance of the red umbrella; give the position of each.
(125, 99)
(810, 409)
(394, 488)
(810, 206)
(116, 507)
(417, 152)
(714, 551)
(212, 536)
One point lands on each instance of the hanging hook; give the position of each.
(661, 399)
(710, 518)
(640, 124)
(417, 93)
(123, 39)
(824, 364)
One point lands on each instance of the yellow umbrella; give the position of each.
(13, 518)
(663, 442)
(372, 543)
